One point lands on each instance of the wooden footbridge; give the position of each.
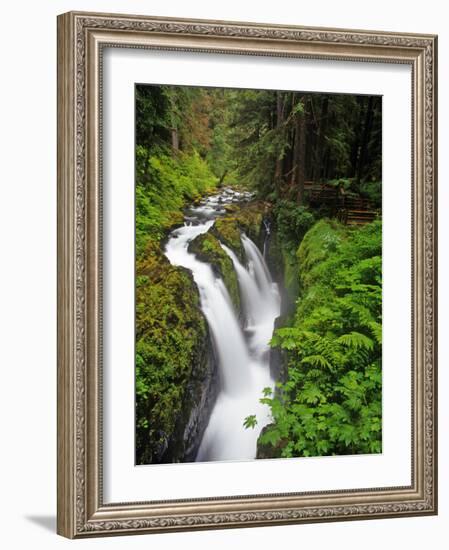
(349, 209)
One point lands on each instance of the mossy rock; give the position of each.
(172, 220)
(250, 219)
(171, 336)
(247, 218)
(227, 230)
(232, 208)
(207, 249)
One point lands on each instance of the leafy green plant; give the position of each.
(292, 221)
(331, 400)
(250, 421)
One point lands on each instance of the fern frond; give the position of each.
(317, 361)
(356, 340)
(376, 329)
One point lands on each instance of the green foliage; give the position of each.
(372, 190)
(188, 141)
(164, 184)
(220, 155)
(170, 336)
(292, 221)
(331, 400)
(250, 421)
(342, 135)
(256, 142)
(152, 116)
(171, 331)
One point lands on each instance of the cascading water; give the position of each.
(216, 306)
(267, 226)
(242, 353)
(260, 297)
(258, 266)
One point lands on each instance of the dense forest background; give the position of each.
(271, 141)
(315, 160)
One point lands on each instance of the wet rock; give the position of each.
(278, 358)
(200, 394)
(207, 249)
(176, 370)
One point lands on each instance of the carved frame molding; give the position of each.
(81, 38)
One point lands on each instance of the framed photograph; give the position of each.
(246, 274)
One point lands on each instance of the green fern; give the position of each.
(331, 400)
(356, 340)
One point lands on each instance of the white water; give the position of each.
(242, 353)
(260, 296)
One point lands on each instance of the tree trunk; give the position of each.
(322, 125)
(225, 173)
(300, 153)
(365, 139)
(302, 158)
(289, 164)
(175, 139)
(355, 150)
(279, 120)
(174, 126)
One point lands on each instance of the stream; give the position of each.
(241, 345)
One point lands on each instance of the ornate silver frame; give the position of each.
(81, 37)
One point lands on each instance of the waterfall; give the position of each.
(217, 307)
(253, 305)
(260, 297)
(257, 263)
(242, 352)
(267, 226)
